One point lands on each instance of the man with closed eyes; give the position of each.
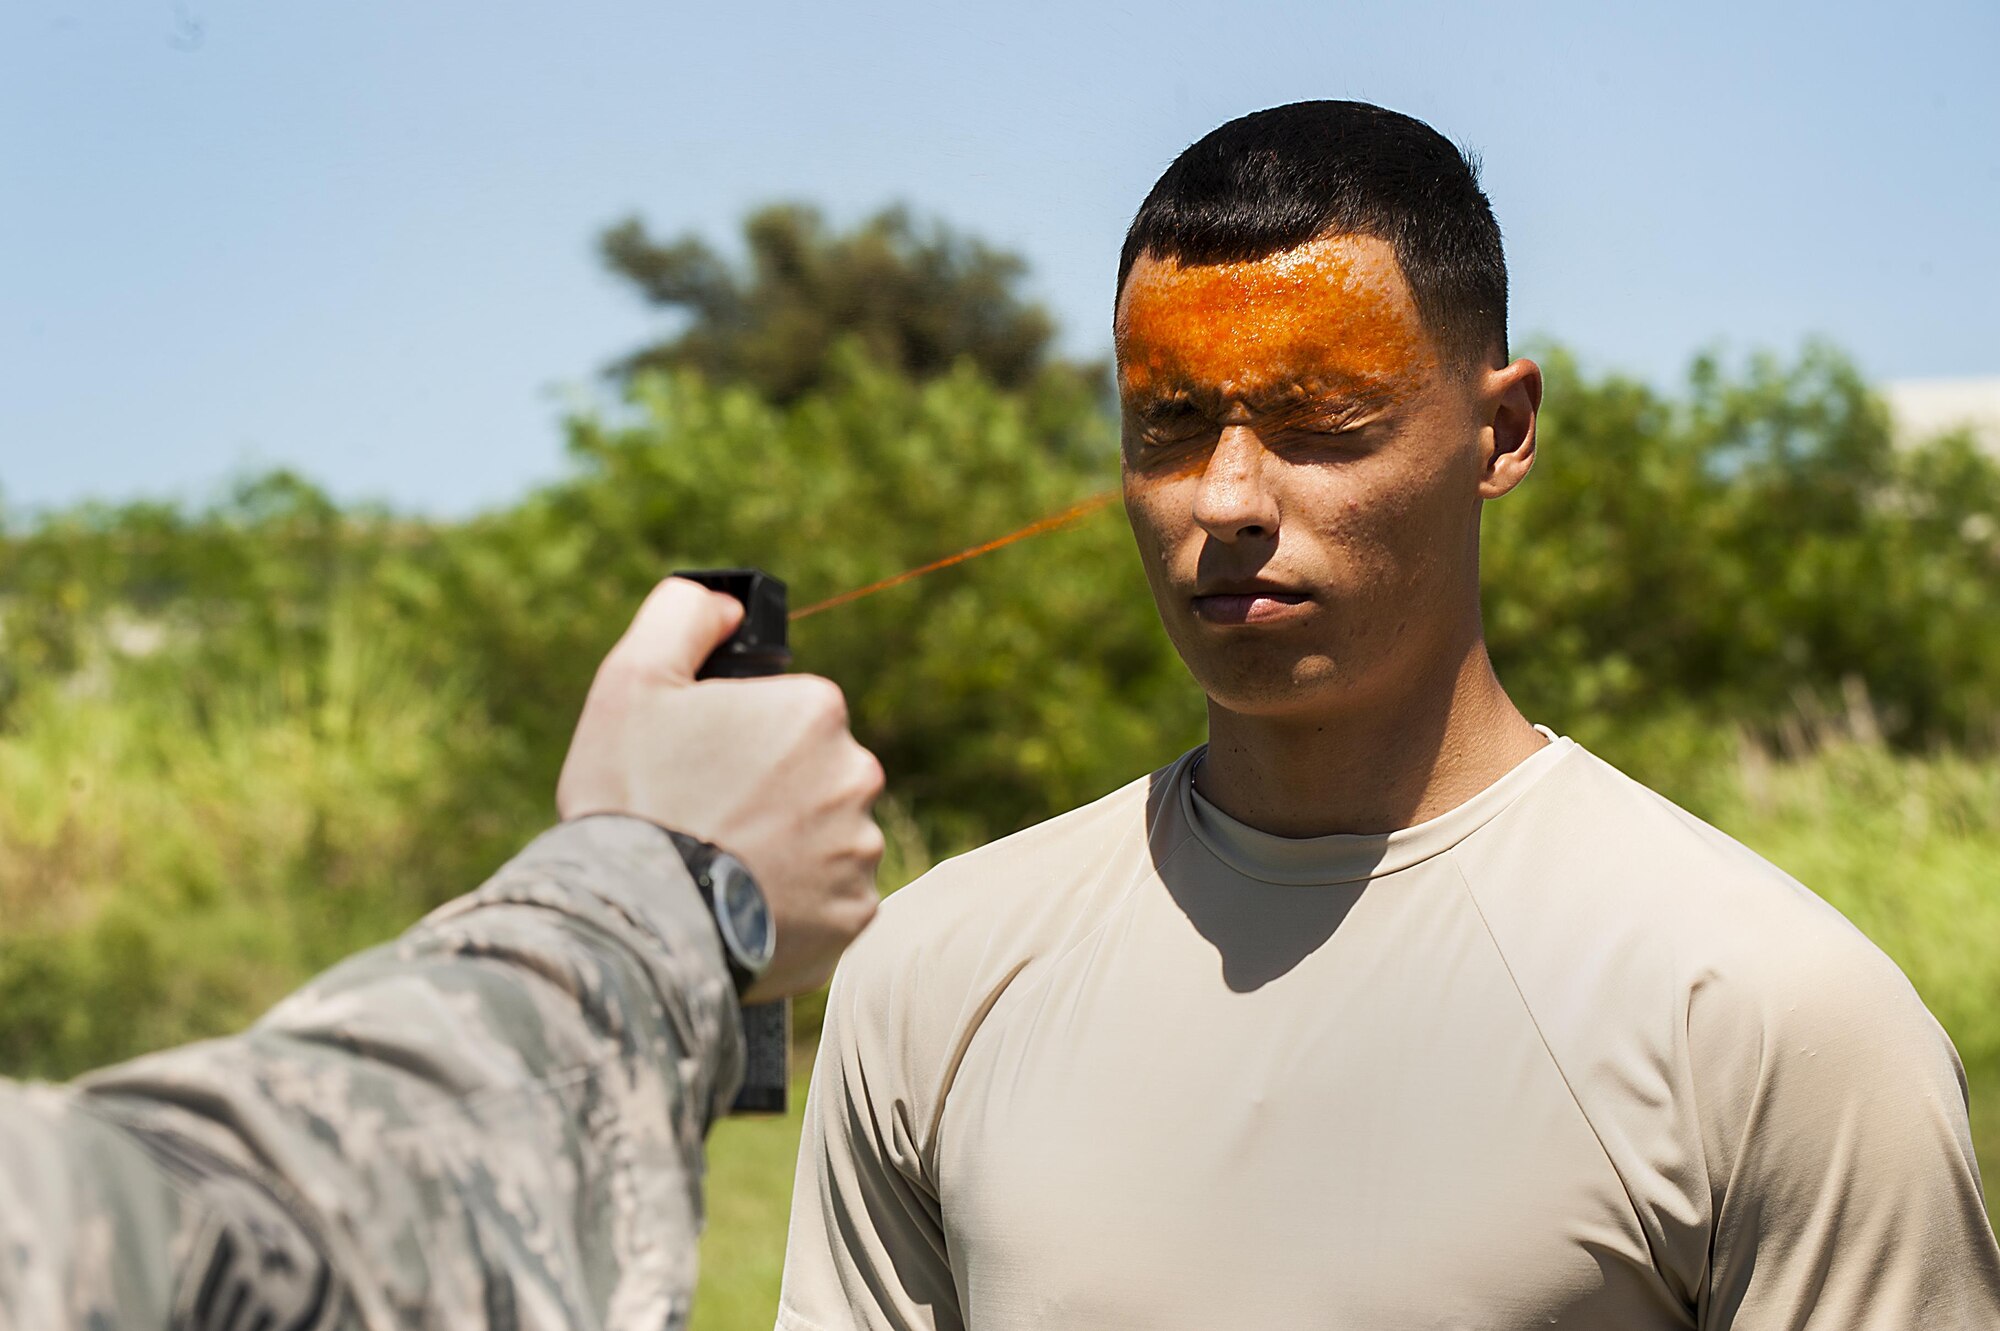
(1385, 1008)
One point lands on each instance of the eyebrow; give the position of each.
(1345, 391)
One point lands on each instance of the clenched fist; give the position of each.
(764, 768)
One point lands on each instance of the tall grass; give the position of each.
(174, 858)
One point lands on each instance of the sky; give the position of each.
(357, 238)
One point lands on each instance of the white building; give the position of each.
(1923, 408)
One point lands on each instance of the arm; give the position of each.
(866, 1249)
(503, 1109)
(495, 1121)
(1846, 1197)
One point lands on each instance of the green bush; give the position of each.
(1675, 570)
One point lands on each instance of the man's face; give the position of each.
(1302, 472)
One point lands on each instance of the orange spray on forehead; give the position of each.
(1332, 317)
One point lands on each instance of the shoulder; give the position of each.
(914, 987)
(1592, 855)
(1683, 984)
(1594, 860)
(1652, 948)
(994, 906)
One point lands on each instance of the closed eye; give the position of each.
(1173, 422)
(1310, 426)
(1325, 429)
(1294, 419)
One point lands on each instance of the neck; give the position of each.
(1405, 754)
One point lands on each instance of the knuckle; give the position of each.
(869, 774)
(665, 590)
(826, 699)
(670, 597)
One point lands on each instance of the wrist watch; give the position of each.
(742, 916)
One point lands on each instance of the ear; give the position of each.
(1508, 402)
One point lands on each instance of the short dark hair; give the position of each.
(1274, 180)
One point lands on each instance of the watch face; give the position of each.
(746, 919)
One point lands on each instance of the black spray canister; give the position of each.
(757, 648)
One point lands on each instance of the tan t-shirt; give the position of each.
(1564, 1056)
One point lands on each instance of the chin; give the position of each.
(1296, 685)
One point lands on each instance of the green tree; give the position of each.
(1752, 551)
(999, 691)
(918, 298)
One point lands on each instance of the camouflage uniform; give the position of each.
(495, 1121)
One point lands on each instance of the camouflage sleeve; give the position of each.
(495, 1121)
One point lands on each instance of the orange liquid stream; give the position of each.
(1070, 516)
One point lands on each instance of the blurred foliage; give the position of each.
(1746, 557)
(178, 851)
(223, 593)
(919, 299)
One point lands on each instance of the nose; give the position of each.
(1233, 502)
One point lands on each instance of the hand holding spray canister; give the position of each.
(758, 647)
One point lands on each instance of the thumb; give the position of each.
(680, 623)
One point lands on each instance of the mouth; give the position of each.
(1250, 603)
